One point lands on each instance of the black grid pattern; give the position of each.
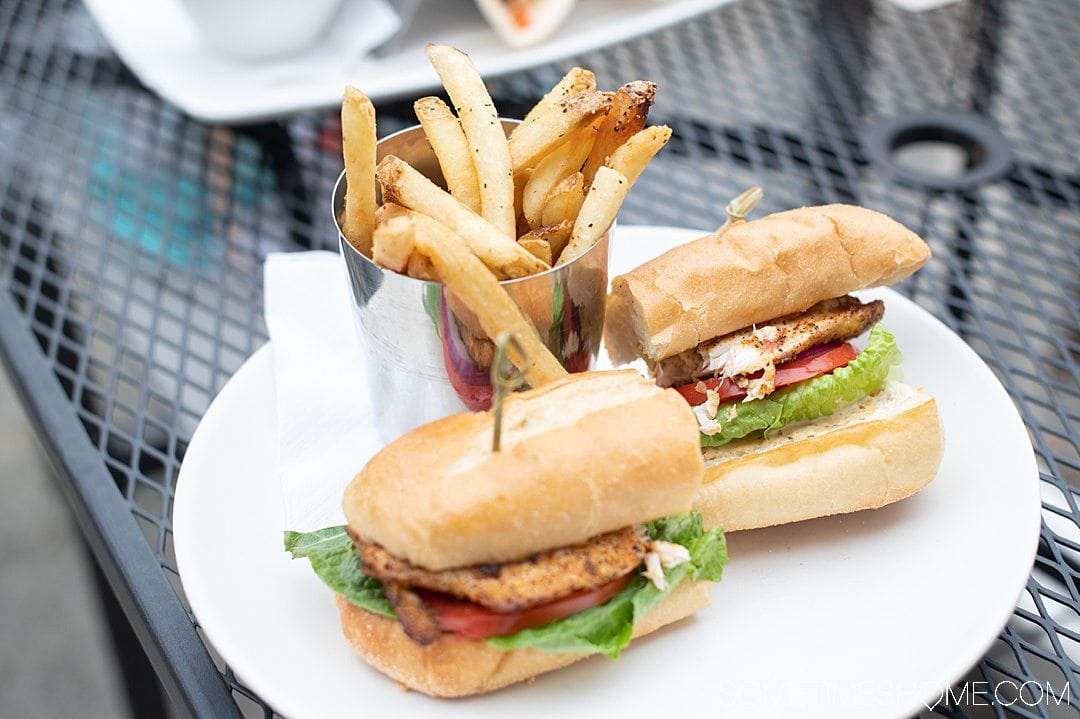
(131, 237)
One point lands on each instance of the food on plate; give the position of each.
(525, 22)
(753, 327)
(629, 110)
(405, 186)
(602, 203)
(553, 126)
(451, 148)
(462, 570)
(484, 132)
(358, 142)
(574, 81)
(519, 203)
(401, 234)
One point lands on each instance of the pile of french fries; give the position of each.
(513, 206)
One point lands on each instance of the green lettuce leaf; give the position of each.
(334, 558)
(603, 629)
(814, 398)
(607, 628)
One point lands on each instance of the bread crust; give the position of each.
(453, 667)
(778, 265)
(581, 456)
(880, 455)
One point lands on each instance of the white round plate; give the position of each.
(870, 614)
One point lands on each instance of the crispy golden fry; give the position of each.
(392, 251)
(483, 130)
(554, 236)
(478, 290)
(421, 268)
(564, 202)
(634, 154)
(521, 180)
(404, 185)
(605, 197)
(358, 145)
(451, 148)
(573, 82)
(554, 126)
(538, 248)
(629, 110)
(553, 169)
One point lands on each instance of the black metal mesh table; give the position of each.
(131, 241)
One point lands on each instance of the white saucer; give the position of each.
(160, 45)
(865, 615)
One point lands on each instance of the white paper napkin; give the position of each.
(324, 427)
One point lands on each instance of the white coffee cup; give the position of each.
(255, 29)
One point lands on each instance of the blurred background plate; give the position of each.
(160, 45)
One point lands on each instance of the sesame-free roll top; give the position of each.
(584, 455)
(754, 272)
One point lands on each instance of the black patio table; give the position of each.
(132, 237)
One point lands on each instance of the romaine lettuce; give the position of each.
(811, 399)
(603, 629)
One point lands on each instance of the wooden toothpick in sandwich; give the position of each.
(505, 378)
(740, 207)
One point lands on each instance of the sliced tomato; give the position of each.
(473, 621)
(812, 363)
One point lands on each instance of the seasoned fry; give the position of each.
(561, 163)
(392, 251)
(605, 197)
(635, 153)
(358, 145)
(555, 236)
(451, 148)
(538, 248)
(554, 126)
(484, 132)
(477, 288)
(573, 82)
(564, 202)
(405, 186)
(629, 110)
(521, 180)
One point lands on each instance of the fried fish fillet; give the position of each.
(753, 349)
(518, 585)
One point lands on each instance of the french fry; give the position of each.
(634, 154)
(521, 180)
(562, 162)
(605, 197)
(564, 202)
(392, 251)
(573, 82)
(484, 132)
(555, 236)
(629, 110)
(451, 148)
(554, 126)
(358, 147)
(538, 248)
(477, 288)
(421, 268)
(404, 185)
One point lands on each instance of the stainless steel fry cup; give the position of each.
(425, 354)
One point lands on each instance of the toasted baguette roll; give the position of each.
(754, 272)
(565, 473)
(453, 667)
(865, 456)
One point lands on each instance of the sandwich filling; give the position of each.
(796, 368)
(582, 599)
